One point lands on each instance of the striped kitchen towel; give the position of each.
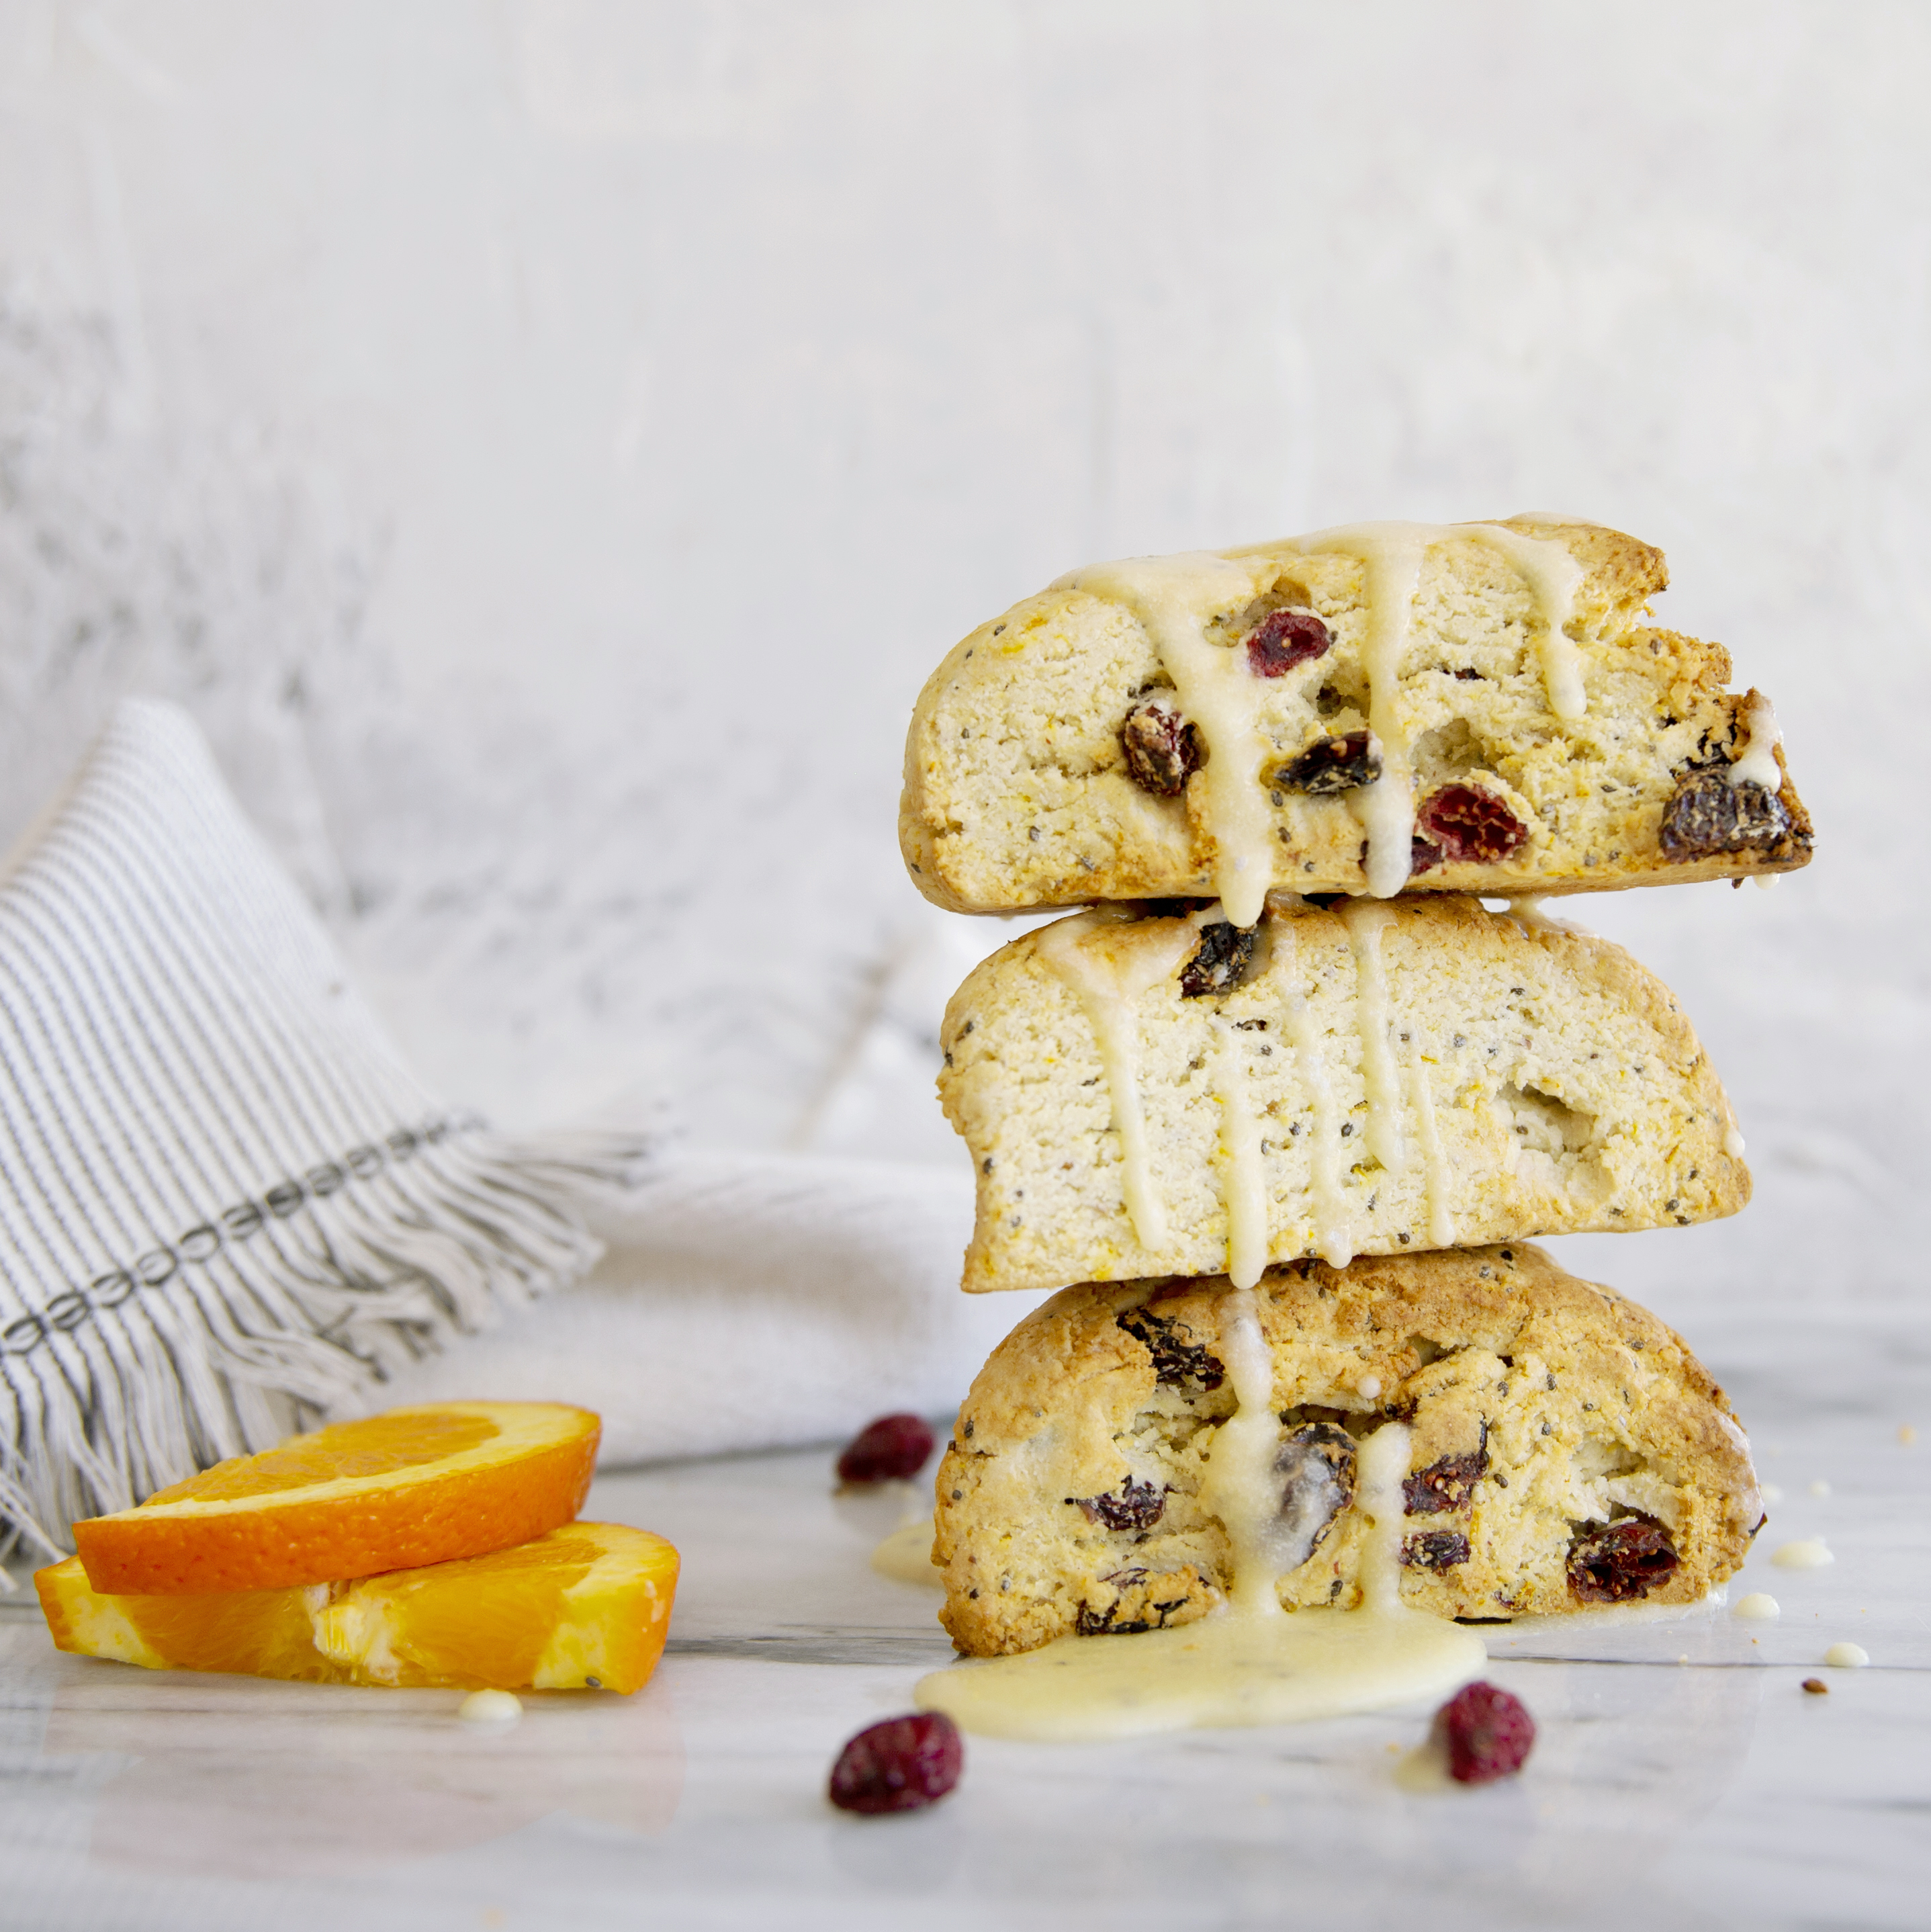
(225, 1205)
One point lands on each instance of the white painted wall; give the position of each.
(549, 442)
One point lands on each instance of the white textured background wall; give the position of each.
(547, 443)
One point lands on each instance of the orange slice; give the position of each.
(586, 1606)
(415, 1486)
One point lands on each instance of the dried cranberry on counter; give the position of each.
(893, 1446)
(1622, 1561)
(1283, 639)
(1471, 826)
(1162, 749)
(901, 1764)
(1485, 1734)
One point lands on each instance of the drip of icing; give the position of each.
(1390, 555)
(1365, 924)
(1334, 1230)
(1252, 1662)
(1174, 597)
(906, 1556)
(1553, 576)
(1733, 1144)
(1434, 1160)
(1757, 766)
(1810, 1552)
(1106, 962)
(1246, 1190)
(1240, 1487)
(1526, 909)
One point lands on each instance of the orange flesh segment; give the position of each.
(415, 1486)
(375, 1448)
(586, 1606)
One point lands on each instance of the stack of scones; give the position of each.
(1288, 1081)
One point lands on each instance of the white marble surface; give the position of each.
(1682, 1778)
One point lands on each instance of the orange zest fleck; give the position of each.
(427, 1485)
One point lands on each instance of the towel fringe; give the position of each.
(312, 1315)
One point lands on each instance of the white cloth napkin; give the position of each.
(227, 1208)
(225, 1204)
(748, 1301)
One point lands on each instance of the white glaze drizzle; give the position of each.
(1390, 556)
(1250, 1662)
(1174, 598)
(1107, 960)
(1433, 1158)
(1365, 924)
(1553, 576)
(906, 1556)
(1808, 1553)
(1334, 1230)
(1177, 597)
(1240, 1486)
(1758, 765)
(1381, 1468)
(1245, 1191)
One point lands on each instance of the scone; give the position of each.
(1147, 1092)
(1567, 1451)
(1473, 707)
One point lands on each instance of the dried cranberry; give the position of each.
(902, 1765)
(1334, 765)
(893, 1446)
(1434, 1549)
(1162, 749)
(1470, 825)
(1283, 639)
(1137, 1506)
(1446, 1484)
(1422, 857)
(1622, 1561)
(1221, 957)
(1485, 1733)
(1174, 1361)
(1708, 814)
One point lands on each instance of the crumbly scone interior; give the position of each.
(1567, 1450)
(1422, 1076)
(1020, 790)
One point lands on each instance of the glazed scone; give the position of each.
(1485, 708)
(1147, 1093)
(1567, 1451)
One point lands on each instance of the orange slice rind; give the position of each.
(415, 1486)
(586, 1606)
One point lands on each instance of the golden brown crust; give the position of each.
(1566, 1089)
(1016, 795)
(1540, 1407)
